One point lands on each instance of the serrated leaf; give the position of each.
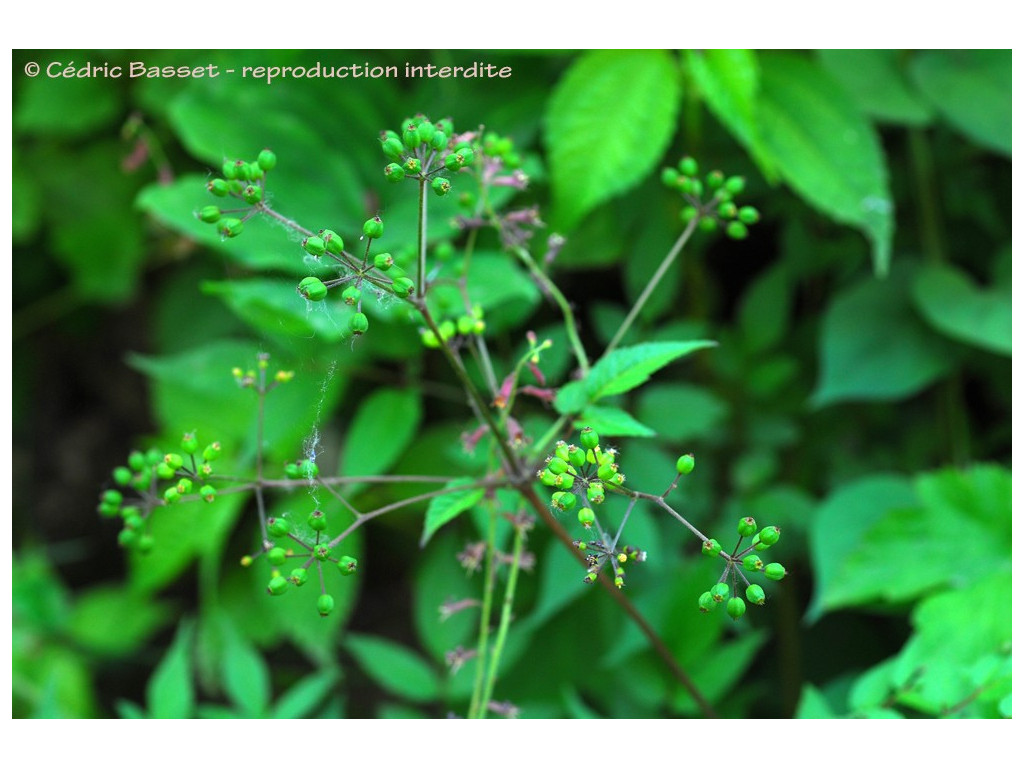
(397, 669)
(729, 81)
(170, 693)
(607, 125)
(612, 422)
(951, 303)
(874, 347)
(444, 509)
(629, 367)
(826, 149)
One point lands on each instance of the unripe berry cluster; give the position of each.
(579, 473)
(743, 560)
(422, 150)
(470, 324)
(711, 199)
(244, 181)
(281, 543)
(158, 479)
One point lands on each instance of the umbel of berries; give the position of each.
(709, 200)
(426, 152)
(735, 586)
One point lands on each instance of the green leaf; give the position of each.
(382, 429)
(444, 509)
(765, 310)
(958, 532)
(973, 91)
(609, 121)
(951, 303)
(302, 698)
(113, 620)
(612, 422)
(876, 81)
(440, 578)
(275, 307)
(825, 149)
(953, 631)
(169, 693)
(729, 81)
(627, 368)
(246, 676)
(840, 525)
(66, 107)
(394, 667)
(813, 705)
(873, 346)
(682, 412)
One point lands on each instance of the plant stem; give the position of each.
(477, 704)
(421, 243)
(670, 257)
(506, 619)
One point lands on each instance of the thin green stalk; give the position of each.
(506, 619)
(670, 257)
(475, 706)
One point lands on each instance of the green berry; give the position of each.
(711, 548)
(441, 186)
(144, 544)
(688, 214)
(562, 450)
(164, 471)
(209, 213)
(136, 461)
(412, 166)
(189, 444)
(669, 177)
(706, 603)
(312, 288)
(586, 517)
(322, 552)
(708, 224)
(439, 140)
(292, 470)
(557, 465)
(351, 295)
(727, 210)
(589, 439)
(278, 527)
(752, 563)
(112, 497)
(737, 230)
(715, 179)
(174, 460)
(298, 577)
(314, 245)
(736, 607)
(317, 521)
(595, 493)
(394, 172)
(565, 481)
(211, 452)
(266, 160)
(277, 585)
(563, 500)
(184, 486)
(747, 526)
(127, 538)
(347, 565)
(607, 472)
(252, 194)
(748, 214)
(685, 464)
(755, 594)
(358, 323)
(775, 571)
(277, 555)
(218, 187)
(374, 228)
(332, 241)
(688, 166)
(230, 227)
(230, 170)
(720, 592)
(411, 136)
(308, 469)
(769, 536)
(402, 286)
(393, 148)
(577, 456)
(172, 495)
(208, 492)
(735, 184)
(383, 261)
(324, 605)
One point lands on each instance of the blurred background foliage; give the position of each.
(859, 396)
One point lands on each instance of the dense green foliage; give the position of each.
(856, 393)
